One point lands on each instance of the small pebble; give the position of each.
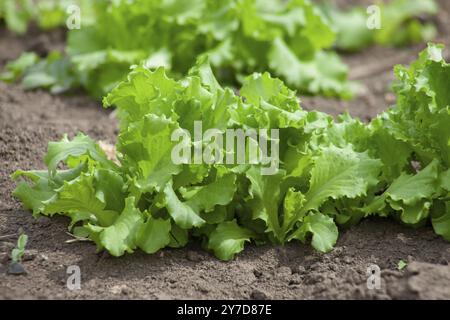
(17, 269)
(299, 269)
(43, 257)
(44, 222)
(203, 289)
(29, 255)
(333, 267)
(294, 282)
(257, 273)
(258, 295)
(347, 260)
(120, 289)
(193, 256)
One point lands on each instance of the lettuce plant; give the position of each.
(399, 24)
(331, 172)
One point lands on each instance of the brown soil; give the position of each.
(28, 120)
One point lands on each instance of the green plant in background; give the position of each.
(15, 68)
(332, 172)
(399, 24)
(46, 14)
(289, 38)
(18, 252)
(17, 14)
(53, 72)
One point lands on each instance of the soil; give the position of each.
(29, 119)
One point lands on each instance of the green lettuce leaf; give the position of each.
(119, 237)
(153, 235)
(323, 229)
(228, 239)
(400, 24)
(408, 193)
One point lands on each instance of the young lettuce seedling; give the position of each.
(17, 255)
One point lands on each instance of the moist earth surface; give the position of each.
(29, 119)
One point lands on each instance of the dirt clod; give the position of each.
(30, 255)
